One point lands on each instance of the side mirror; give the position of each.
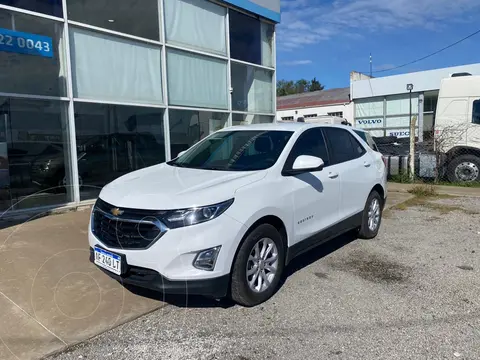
(304, 164)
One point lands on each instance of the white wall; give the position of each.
(347, 110)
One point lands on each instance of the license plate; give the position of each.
(109, 261)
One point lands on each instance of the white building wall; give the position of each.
(346, 109)
(396, 84)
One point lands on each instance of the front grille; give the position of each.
(133, 229)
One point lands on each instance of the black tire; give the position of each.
(240, 291)
(365, 232)
(458, 161)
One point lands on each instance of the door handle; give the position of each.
(366, 164)
(332, 175)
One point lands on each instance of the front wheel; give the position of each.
(258, 266)
(372, 216)
(465, 168)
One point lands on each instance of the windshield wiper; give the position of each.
(172, 163)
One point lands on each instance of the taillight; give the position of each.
(385, 161)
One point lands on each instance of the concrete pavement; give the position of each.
(51, 296)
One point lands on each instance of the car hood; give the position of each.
(165, 187)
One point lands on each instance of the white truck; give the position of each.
(457, 127)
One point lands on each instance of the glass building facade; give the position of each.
(93, 89)
(388, 115)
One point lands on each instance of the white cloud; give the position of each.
(297, 62)
(307, 22)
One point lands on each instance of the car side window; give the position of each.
(312, 143)
(342, 146)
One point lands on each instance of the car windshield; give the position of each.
(244, 150)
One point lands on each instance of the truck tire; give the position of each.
(464, 168)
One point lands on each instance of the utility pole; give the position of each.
(411, 159)
(371, 65)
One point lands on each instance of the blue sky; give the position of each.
(327, 39)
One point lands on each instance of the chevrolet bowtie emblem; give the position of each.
(116, 211)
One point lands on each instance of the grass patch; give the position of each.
(402, 177)
(423, 190)
(423, 197)
(474, 184)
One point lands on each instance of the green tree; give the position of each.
(315, 85)
(302, 86)
(285, 87)
(289, 87)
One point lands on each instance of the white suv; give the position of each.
(225, 217)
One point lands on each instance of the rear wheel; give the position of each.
(258, 266)
(372, 216)
(465, 168)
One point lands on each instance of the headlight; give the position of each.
(186, 217)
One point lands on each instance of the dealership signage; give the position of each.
(369, 123)
(401, 133)
(25, 43)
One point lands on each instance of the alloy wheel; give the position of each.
(262, 265)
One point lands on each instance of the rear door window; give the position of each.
(342, 145)
(367, 138)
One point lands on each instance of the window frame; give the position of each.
(333, 161)
(288, 164)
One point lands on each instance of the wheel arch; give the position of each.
(462, 150)
(380, 190)
(273, 220)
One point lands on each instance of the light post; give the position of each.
(411, 160)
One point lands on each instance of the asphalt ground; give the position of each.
(411, 293)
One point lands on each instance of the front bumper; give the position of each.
(167, 265)
(150, 279)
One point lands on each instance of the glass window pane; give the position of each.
(198, 24)
(34, 160)
(114, 140)
(245, 38)
(397, 105)
(196, 80)
(188, 127)
(267, 44)
(245, 119)
(370, 107)
(37, 73)
(342, 145)
(311, 143)
(51, 7)
(111, 68)
(252, 89)
(139, 18)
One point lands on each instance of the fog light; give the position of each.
(206, 259)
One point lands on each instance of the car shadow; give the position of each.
(182, 301)
(311, 180)
(297, 264)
